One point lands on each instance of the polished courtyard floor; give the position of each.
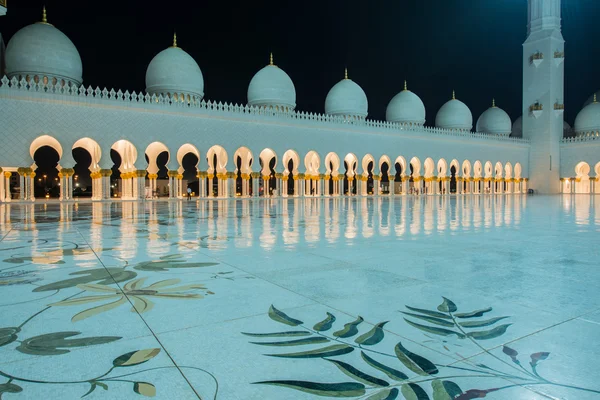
(365, 298)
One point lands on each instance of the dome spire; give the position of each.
(44, 16)
(271, 59)
(174, 39)
(493, 102)
(453, 95)
(405, 87)
(346, 73)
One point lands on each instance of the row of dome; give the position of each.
(41, 51)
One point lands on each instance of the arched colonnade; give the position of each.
(270, 175)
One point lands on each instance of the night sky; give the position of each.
(471, 46)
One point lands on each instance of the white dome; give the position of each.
(454, 115)
(348, 99)
(588, 119)
(173, 71)
(517, 128)
(406, 108)
(41, 51)
(494, 121)
(272, 87)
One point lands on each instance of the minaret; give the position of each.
(543, 87)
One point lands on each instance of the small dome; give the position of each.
(406, 108)
(588, 119)
(494, 121)
(454, 115)
(272, 87)
(517, 128)
(347, 99)
(174, 72)
(42, 52)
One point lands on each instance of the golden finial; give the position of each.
(271, 59)
(44, 17)
(174, 39)
(345, 73)
(453, 95)
(493, 102)
(405, 87)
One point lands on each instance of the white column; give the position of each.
(2, 186)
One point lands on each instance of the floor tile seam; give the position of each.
(223, 322)
(487, 350)
(7, 233)
(147, 325)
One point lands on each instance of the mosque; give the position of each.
(267, 148)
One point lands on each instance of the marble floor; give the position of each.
(364, 298)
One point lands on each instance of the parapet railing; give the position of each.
(89, 93)
(580, 139)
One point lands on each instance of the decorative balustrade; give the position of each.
(592, 136)
(165, 102)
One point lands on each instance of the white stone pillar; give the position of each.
(376, 185)
(391, 185)
(21, 186)
(2, 186)
(404, 185)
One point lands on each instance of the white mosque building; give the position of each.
(268, 148)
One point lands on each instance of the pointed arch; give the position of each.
(401, 161)
(466, 168)
(415, 163)
(93, 148)
(246, 159)
(582, 180)
(221, 159)
(368, 158)
(290, 155)
(312, 162)
(488, 169)
(498, 169)
(45, 140)
(265, 157)
(508, 170)
(442, 167)
(351, 164)
(383, 160)
(153, 150)
(518, 171)
(128, 154)
(429, 168)
(477, 169)
(332, 163)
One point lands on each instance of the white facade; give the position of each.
(331, 154)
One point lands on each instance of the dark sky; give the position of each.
(472, 46)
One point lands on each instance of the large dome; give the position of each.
(406, 108)
(494, 121)
(272, 87)
(454, 115)
(347, 99)
(45, 54)
(588, 119)
(173, 72)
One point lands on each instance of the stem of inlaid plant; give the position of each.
(45, 309)
(485, 350)
(497, 374)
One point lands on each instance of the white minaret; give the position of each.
(543, 91)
